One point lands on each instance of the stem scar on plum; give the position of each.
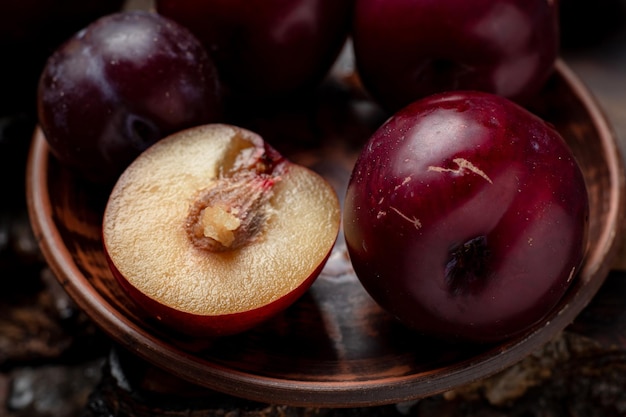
(233, 210)
(467, 266)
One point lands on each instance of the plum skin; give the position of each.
(466, 217)
(207, 326)
(409, 49)
(118, 86)
(266, 49)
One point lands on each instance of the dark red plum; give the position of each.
(409, 49)
(266, 48)
(466, 217)
(121, 84)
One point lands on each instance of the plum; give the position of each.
(211, 231)
(466, 216)
(115, 88)
(408, 49)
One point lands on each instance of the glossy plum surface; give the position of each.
(466, 217)
(121, 84)
(266, 48)
(408, 49)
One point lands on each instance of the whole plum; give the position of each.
(466, 217)
(116, 87)
(266, 49)
(408, 49)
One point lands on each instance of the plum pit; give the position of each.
(232, 211)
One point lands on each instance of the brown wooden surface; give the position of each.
(55, 362)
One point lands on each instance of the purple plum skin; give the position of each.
(266, 49)
(408, 49)
(121, 84)
(466, 217)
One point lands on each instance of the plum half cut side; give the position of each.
(211, 231)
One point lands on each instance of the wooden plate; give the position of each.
(334, 347)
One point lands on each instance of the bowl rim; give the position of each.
(313, 393)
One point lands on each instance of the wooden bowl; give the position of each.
(334, 347)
